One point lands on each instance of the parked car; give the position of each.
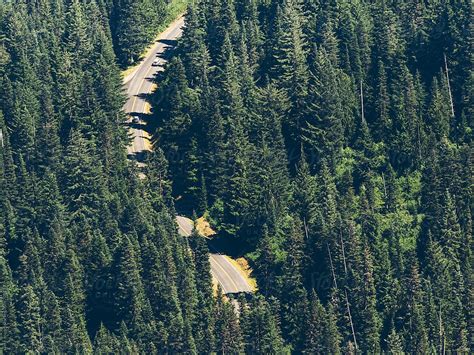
(135, 119)
(155, 63)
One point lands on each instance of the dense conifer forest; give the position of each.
(329, 142)
(90, 259)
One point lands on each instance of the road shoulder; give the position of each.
(130, 72)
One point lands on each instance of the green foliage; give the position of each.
(260, 329)
(329, 140)
(227, 330)
(133, 25)
(89, 254)
(340, 115)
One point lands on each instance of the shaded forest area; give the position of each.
(133, 25)
(322, 137)
(90, 258)
(330, 142)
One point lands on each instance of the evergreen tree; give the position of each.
(29, 321)
(10, 332)
(305, 191)
(129, 297)
(382, 121)
(417, 337)
(324, 140)
(323, 130)
(315, 330)
(204, 322)
(291, 69)
(267, 263)
(133, 25)
(228, 334)
(261, 332)
(294, 296)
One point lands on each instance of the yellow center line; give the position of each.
(225, 272)
(239, 270)
(140, 131)
(139, 89)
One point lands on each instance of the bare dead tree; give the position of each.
(350, 320)
(332, 266)
(449, 85)
(362, 102)
(345, 290)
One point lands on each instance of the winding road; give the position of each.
(226, 273)
(138, 84)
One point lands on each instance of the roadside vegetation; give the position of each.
(134, 24)
(174, 10)
(90, 258)
(330, 143)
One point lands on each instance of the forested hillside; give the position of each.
(327, 141)
(331, 143)
(133, 25)
(90, 259)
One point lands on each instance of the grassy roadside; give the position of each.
(244, 269)
(175, 9)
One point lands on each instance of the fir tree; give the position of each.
(294, 296)
(291, 68)
(29, 321)
(204, 322)
(261, 332)
(228, 334)
(323, 130)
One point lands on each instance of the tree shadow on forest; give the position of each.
(158, 97)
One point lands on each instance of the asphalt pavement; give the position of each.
(226, 273)
(140, 83)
